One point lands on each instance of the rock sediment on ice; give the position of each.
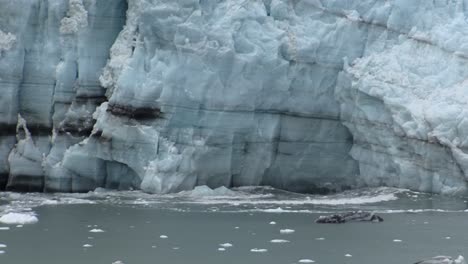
(166, 95)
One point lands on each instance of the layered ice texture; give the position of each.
(166, 95)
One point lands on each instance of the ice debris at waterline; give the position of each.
(357, 216)
(165, 95)
(18, 218)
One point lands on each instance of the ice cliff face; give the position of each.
(164, 95)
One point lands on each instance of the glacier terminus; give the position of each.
(166, 95)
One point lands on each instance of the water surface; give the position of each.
(416, 226)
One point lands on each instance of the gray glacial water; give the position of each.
(416, 226)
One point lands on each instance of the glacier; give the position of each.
(166, 95)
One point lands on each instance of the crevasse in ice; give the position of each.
(166, 95)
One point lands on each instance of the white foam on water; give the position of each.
(19, 226)
(279, 241)
(306, 261)
(87, 245)
(397, 240)
(272, 223)
(2, 251)
(348, 255)
(163, 236)
(259, 250)
(3, 246)
(4, 228)
(320, 238)
(18, 218)
(287, 231)
(96, 230)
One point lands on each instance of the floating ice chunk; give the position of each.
(19, 226)
(259, 250)
(176, 248)
(236, 227)
(448, 237)
(287, 231)
(18, 218)
(306, 261)
(443, 260)
(163, 236)
(279, 241)
(2, 251)
(348, 255)
(87, 245)
(397, 240)
(4, 228)
(204, 191)
(153, 246)
(272, 223)
(221, 249)
(118, 262)
(320, 238)
(96, 230)
(225, 245)
(3, 246)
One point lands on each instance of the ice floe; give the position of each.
(18, 218)
(279, 241)
(306, 261)
(225, 245)
(96, 230)
(287, 231)
(259, 250)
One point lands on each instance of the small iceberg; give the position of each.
(18, 218)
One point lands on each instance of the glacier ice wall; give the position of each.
(165, 95)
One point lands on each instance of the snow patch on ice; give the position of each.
(7, 40)
(76, 19)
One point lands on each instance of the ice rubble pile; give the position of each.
(166, 95)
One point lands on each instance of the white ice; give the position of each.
(18, 218)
